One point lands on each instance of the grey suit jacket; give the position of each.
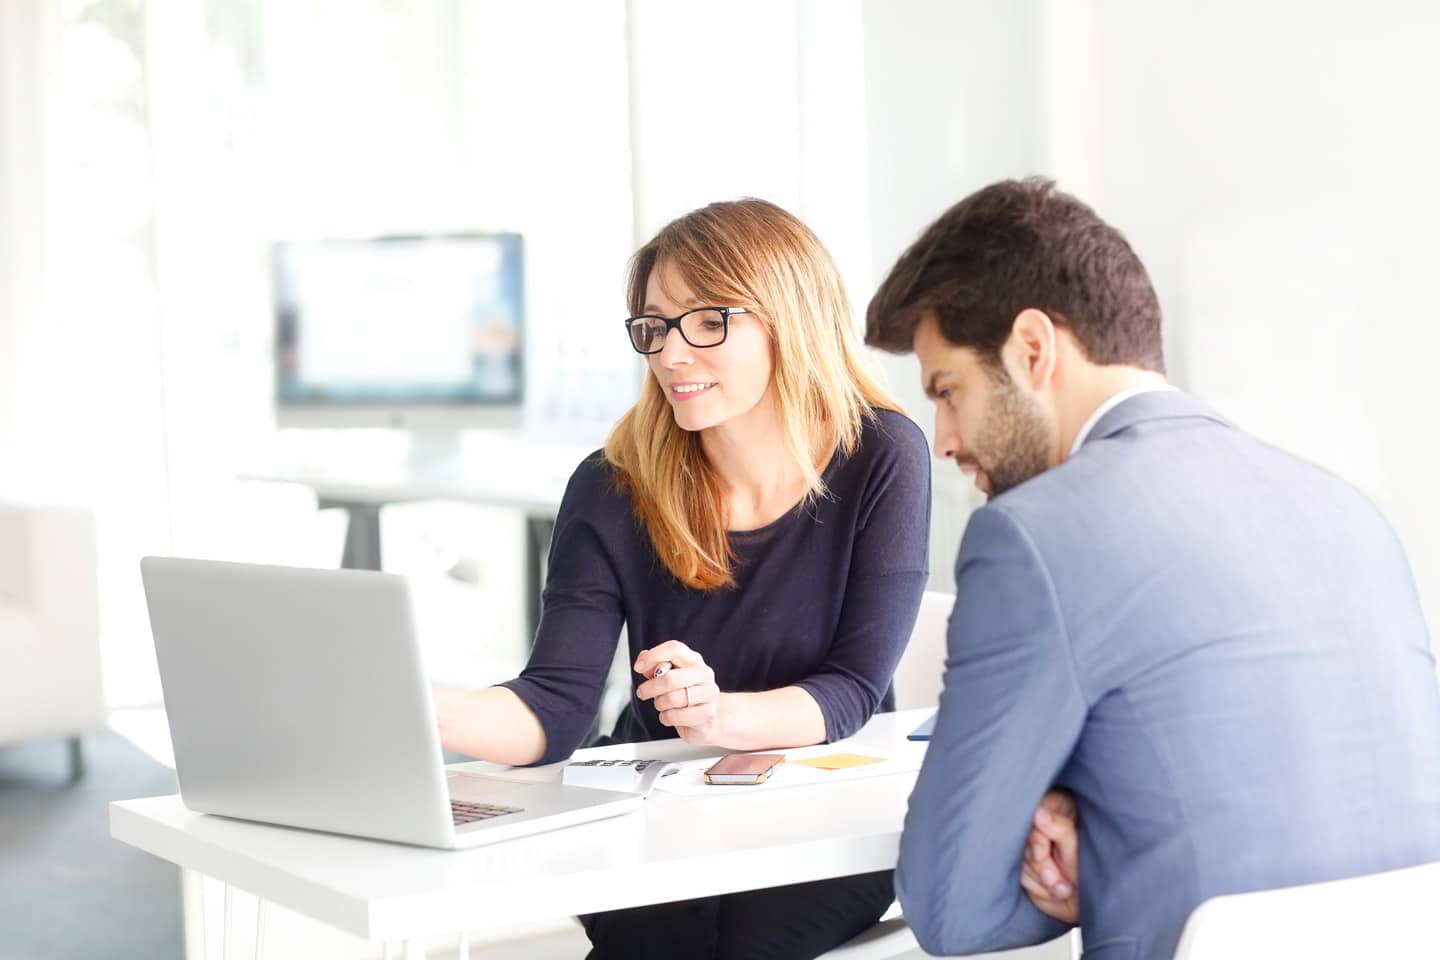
(1217, 647)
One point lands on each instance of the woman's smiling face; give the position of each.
(708, 386)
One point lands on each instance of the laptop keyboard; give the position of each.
(463, 811)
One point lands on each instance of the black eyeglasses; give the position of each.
(701, 327)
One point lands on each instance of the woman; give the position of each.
(758, 522)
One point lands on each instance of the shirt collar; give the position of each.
(1113, 401)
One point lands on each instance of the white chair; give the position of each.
(921, 671)
(1379, 916)
(49, 627)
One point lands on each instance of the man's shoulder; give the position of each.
(1116, 493)
(1113, 492)
(1048, 498)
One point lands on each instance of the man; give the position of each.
(1216, 649)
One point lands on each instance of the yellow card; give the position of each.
(838, 761)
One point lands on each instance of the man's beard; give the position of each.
(1014, 441)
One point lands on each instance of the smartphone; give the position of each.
(743, 768)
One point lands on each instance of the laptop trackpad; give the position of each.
(475, 798)
(478, 788)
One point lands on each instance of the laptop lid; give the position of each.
(298, 697)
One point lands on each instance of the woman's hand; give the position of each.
(488, 724)
(1050, 872)
(685, 693)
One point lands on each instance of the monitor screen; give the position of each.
(396, 326)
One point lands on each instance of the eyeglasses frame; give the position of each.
(673, 323)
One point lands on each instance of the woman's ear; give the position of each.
(1031, 349)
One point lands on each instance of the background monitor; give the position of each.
(419, 331)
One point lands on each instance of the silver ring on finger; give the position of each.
(687, 698)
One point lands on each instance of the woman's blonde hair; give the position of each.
(753, 254)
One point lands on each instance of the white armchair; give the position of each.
(1380, 916)
(49, 627)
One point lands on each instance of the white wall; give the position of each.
(952, 103)
(29, 54)
(78, 351)
(26, 47)
(753, 98)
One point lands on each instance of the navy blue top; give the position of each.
(825, 600)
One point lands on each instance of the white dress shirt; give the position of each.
(1111, 403)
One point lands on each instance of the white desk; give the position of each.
(675, 848)
(500, 469)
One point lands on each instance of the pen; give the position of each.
(662, 668)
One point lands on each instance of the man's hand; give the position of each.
(1050, 871)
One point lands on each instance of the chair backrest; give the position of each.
(47, 564)
(919, 676)
(50, 681)
(14, 555)
(1378, 916)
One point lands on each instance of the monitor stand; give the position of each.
(434, 445)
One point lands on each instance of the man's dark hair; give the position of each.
(1018, 244)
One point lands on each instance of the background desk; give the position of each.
(506, 470)
(675, 848)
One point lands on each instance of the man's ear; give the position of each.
(1030, 352)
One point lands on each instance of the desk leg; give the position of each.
(192, 898)
(462, 951)
(259, 927)
(229, 911)
(362, 533)
(538, 531)
(77, 759)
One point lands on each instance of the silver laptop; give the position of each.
(298, 697)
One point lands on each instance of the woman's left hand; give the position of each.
(685, 695)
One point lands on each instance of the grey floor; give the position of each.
(66, 889)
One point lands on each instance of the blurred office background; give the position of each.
(1273, 163)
